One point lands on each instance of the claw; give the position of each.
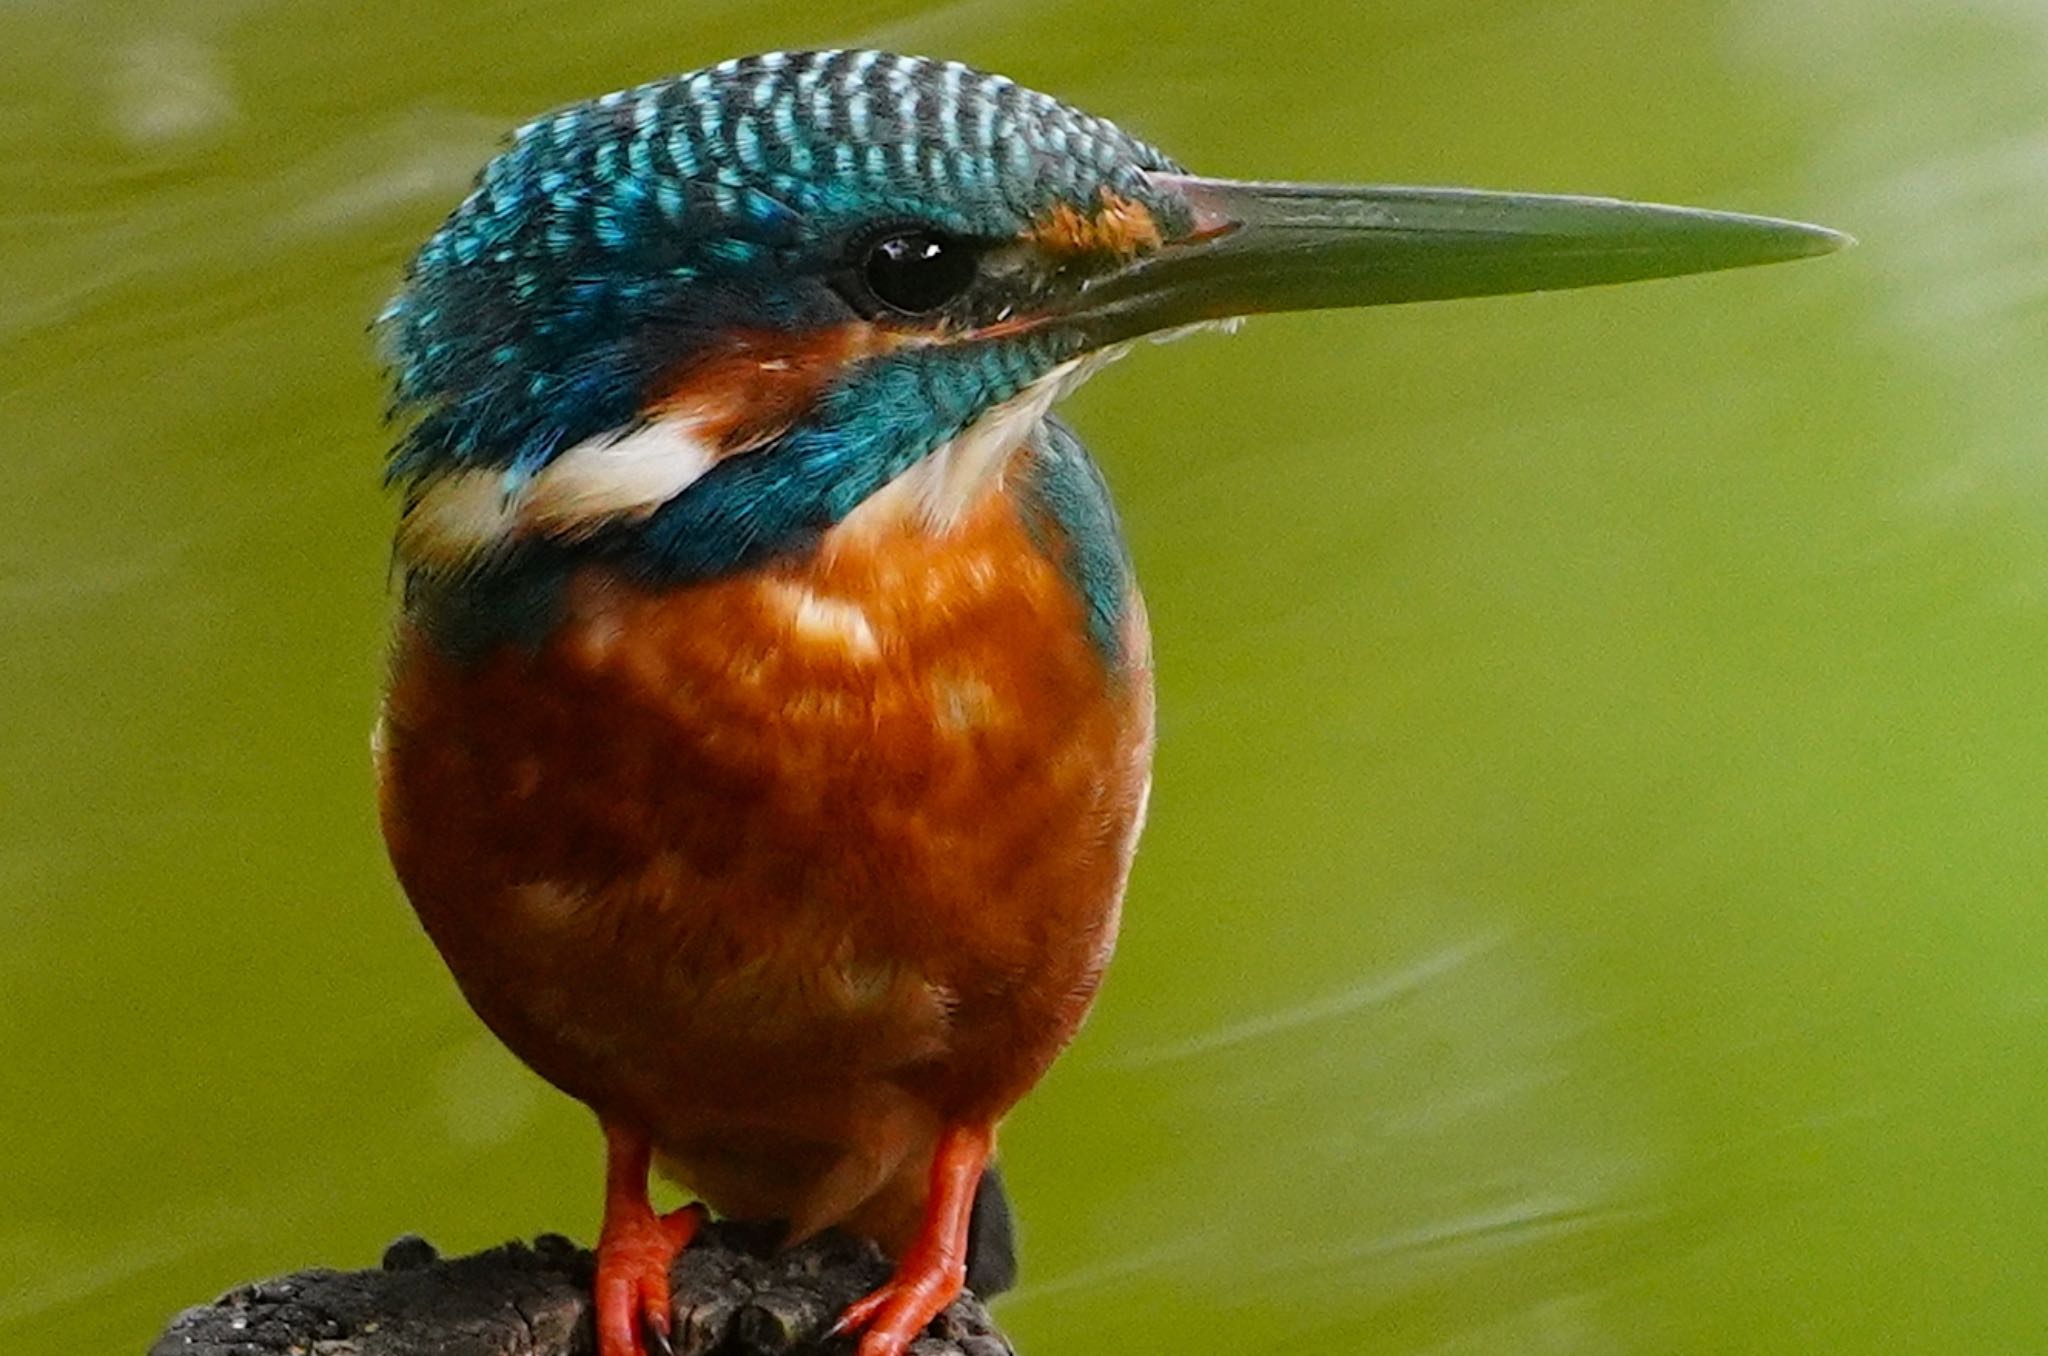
(894, 1315)
(632, 1296)
(656, 1336)
(634, 1251)
(859, 1313)
(933, 1269)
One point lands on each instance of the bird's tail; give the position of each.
(991, 1238)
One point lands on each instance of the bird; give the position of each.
(769, 720)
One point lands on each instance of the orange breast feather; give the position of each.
(791, 867)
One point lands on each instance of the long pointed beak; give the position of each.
(1290, 247)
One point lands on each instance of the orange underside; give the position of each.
(792, 871)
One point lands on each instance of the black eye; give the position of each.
(917, 272)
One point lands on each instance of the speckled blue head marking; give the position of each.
(618, 243)
(613, 238)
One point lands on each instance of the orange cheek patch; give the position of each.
(733, 399)
(757, 384)
(1118, 226)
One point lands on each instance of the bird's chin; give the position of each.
(941, 487)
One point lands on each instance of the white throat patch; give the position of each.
(463, 517)
(946, 482)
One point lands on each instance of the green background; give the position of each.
(1594, 894)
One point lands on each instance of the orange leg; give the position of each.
(634, 1250)
(932, 1271)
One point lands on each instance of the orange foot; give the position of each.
(634, 1250)
(933, 1269)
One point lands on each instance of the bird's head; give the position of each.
(697, 322)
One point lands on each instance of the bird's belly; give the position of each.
(783, 867)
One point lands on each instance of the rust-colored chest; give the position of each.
(724, 856)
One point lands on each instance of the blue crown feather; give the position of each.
(612, 238)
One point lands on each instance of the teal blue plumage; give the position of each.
(1068, 507)
(770, 727)
(613, 237)
(614, 241)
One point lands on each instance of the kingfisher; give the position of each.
(770, 717)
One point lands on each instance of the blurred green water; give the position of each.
(1593, 902)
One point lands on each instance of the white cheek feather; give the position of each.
(465, 516)
(457, 518)
(606, 477)
(468, 514)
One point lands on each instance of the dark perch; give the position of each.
(734, 1296)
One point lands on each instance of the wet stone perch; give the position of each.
(734, 1296)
